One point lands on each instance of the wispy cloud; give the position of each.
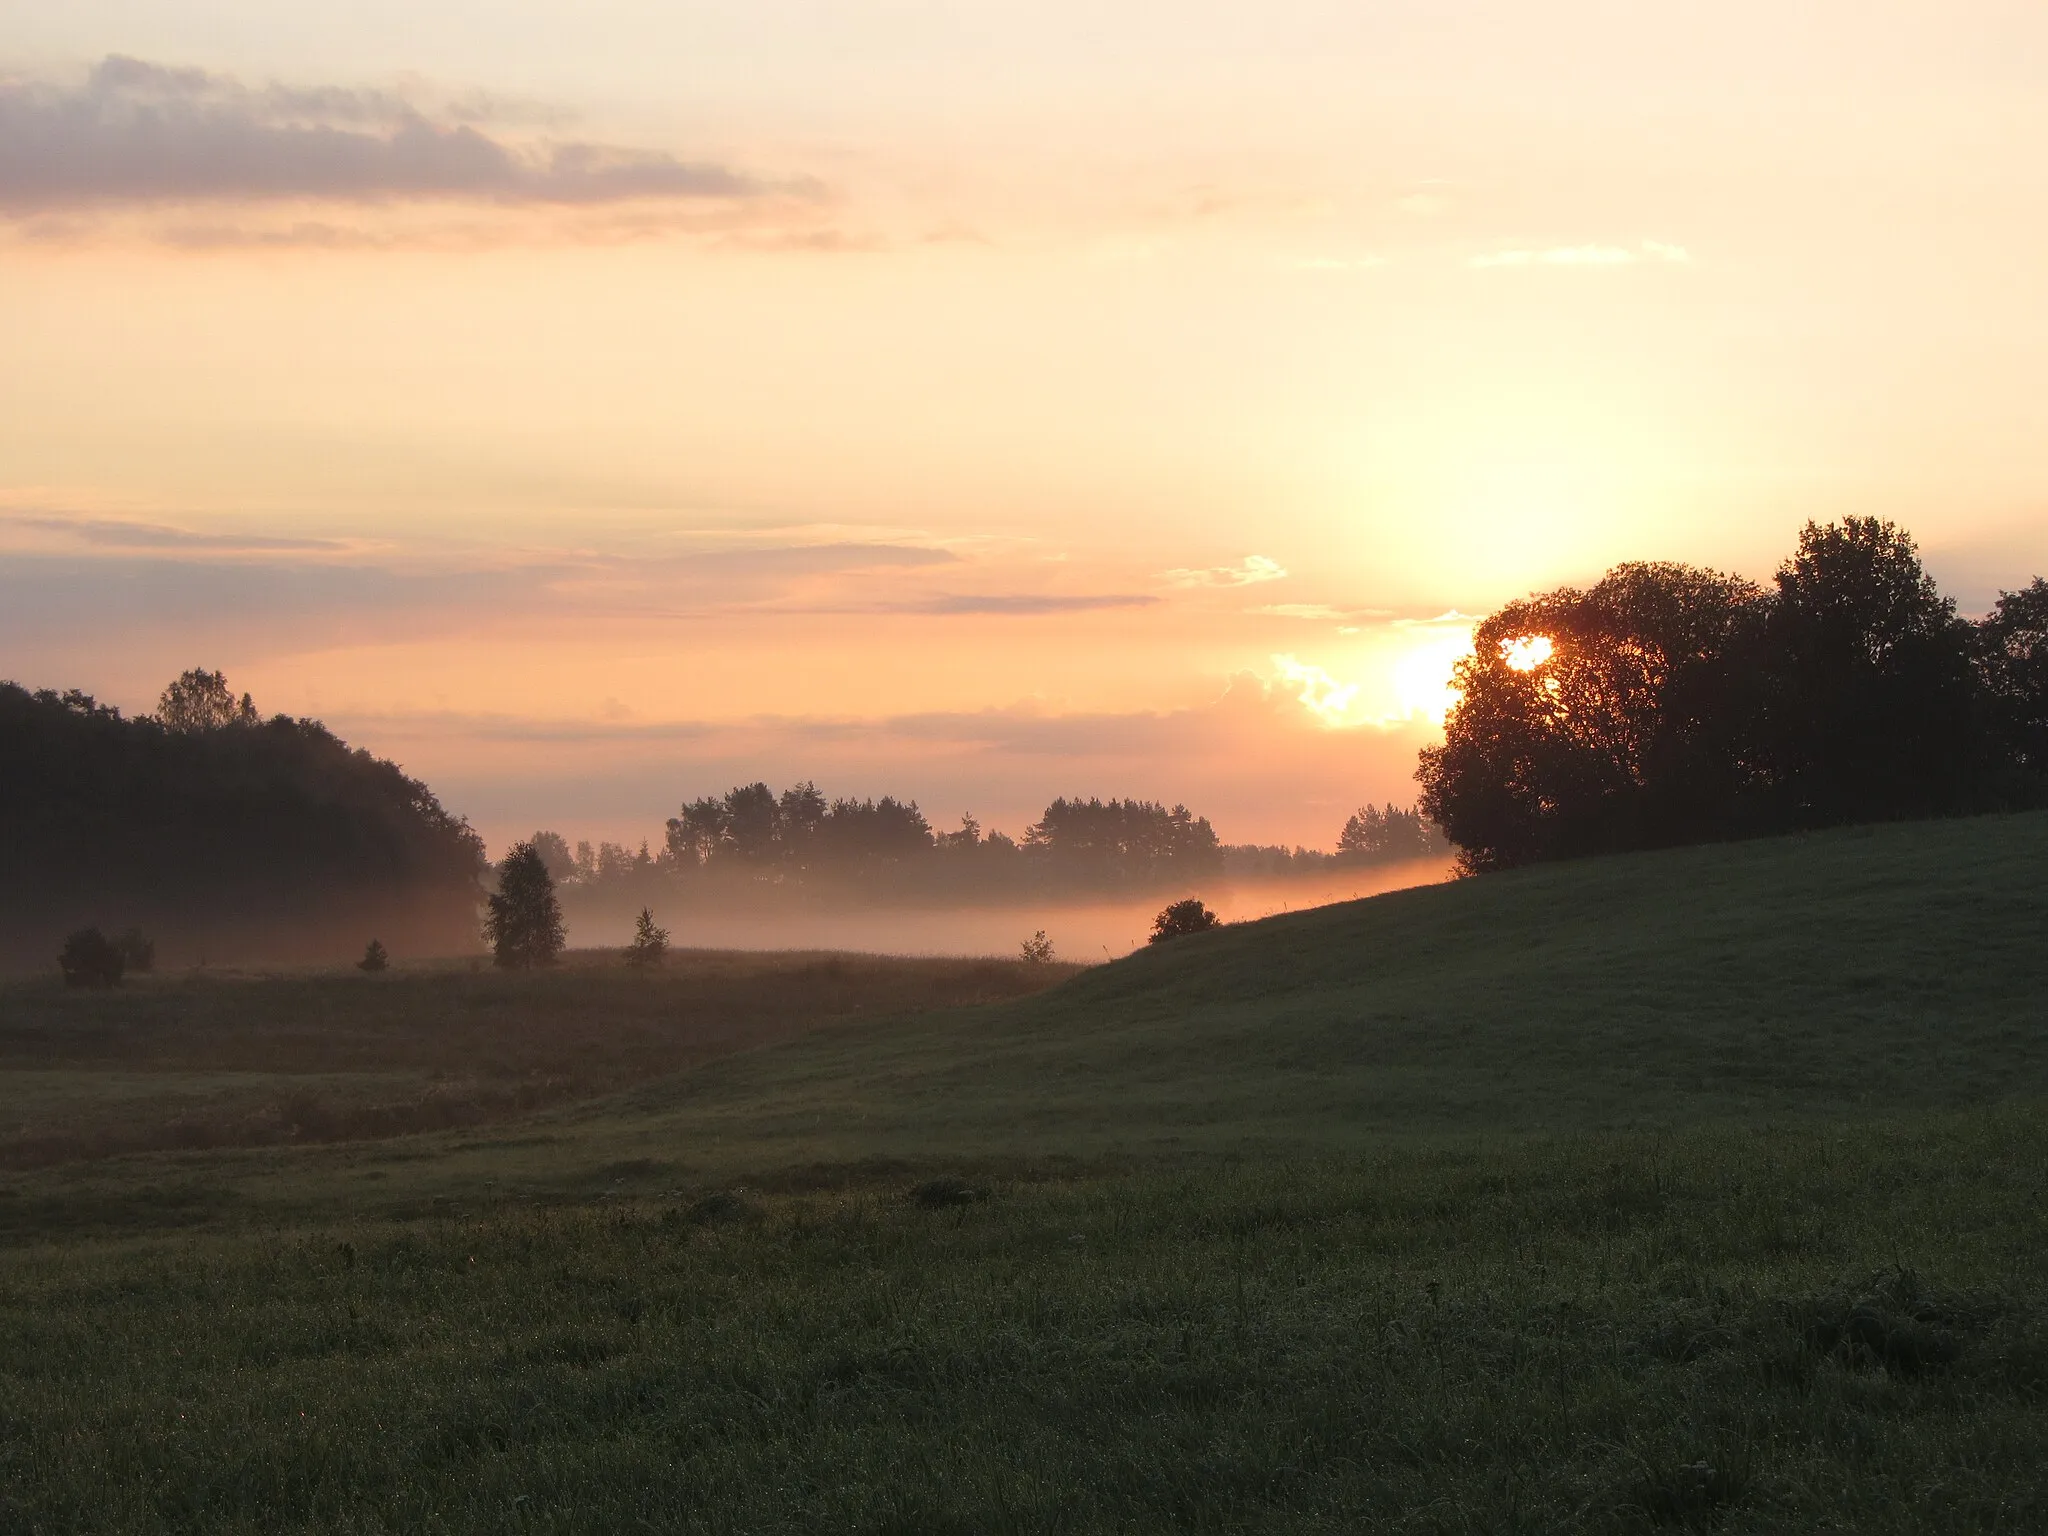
(1312, 611)
(1249, 571)
(1024, 604)
(139, 133)
(1649, 250)
(1586, 256)
(1339, 263)
(121, 533)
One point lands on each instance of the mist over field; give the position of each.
(1083, 929)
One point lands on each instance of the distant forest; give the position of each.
(1668, 704)
(220, 834)
(753, 842)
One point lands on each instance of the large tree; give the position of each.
(1868, 699)
(1598, 719)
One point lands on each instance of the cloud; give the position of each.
(120, 533)
(136, 133)
(1307, 611)
(1339, 263)
(1586, 256)
(1251, 757)
(1028, 603)
(1249, 571)
(1320, 694)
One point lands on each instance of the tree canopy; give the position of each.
(1668, 704)
(219, 833)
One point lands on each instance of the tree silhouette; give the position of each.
(650, 944)
(553, 849)
(1595, 720)
(524, 924)
(375, 957)
(202, 701)
(1038, 949)
(90, 959)
(1188, 916)
(1869, 707)
(2012, 661)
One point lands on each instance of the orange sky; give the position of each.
(592, 406)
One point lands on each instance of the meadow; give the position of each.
(1688, 1190)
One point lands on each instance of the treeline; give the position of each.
(220, 834)
(754, 841)
(1668, 704)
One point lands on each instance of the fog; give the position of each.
(1080, 929)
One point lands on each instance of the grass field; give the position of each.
(1695, 1190)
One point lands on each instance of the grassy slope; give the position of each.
(1836, 1324)
(1879, 968)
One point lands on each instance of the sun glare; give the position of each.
(1526, 653)
(1422, 673)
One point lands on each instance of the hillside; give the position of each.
(1891, 967)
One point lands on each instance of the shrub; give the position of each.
(375, 957)
(1038, 949)
(649, 944)
(1188, 916)
(90, 959)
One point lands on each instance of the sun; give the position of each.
(1527, 652)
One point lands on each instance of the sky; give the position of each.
(594, 406)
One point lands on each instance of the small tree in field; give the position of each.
(524, 924)
(649, 944)
(1188, 916)
(375, 957)
(1038, 949)
(89, 959)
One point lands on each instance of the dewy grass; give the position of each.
(1683, 1191)
(1602, 1333)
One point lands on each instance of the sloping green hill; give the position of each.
(1874, 968)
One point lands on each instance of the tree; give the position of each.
(1373, 834)
(1188, 916)
(90, 959)
(650, 944)
(553, 849)
(2012, 664)
(524, 924)
(261, 840)
(1869, 699)
(1038, 949)
(202, 701)
(138, 954)
(375, 957)
(1589, 721)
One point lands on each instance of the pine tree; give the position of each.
(649, 944)
(375, 957)
(524, 925)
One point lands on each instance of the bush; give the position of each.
(1038, 949)
(1188, 916)
(649, 944)
(375, 957)
(90, 959)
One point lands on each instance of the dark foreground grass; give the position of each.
(1822, 1329)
